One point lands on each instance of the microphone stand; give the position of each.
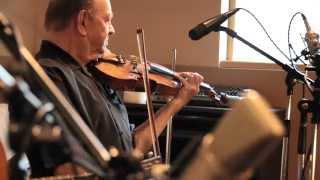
(292, 71)
(285, 139)
(304, 107)
(30, 110)
(314, 108)
(292, 75)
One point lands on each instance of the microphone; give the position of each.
(312, 40)
(209, 25)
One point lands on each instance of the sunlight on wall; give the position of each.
(275, 16)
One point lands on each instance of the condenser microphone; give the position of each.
(209, 25)
(312, 40)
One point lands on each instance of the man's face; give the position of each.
(100, 26)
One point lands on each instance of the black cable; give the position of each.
(266, 32)
(290, 47)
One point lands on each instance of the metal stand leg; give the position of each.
(314, 152)
(310, 171)
(168, 142)
(315, 121)
(303, 106)
(285, 144)
(169, 124)
(284, 157)
(301, 161)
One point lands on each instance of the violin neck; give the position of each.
(161, 70)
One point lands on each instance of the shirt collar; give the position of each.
(50, 50)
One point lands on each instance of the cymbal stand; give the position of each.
(169, 124)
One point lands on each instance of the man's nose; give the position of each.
(111, 30)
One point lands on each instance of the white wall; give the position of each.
(27, 16)
(166, 24)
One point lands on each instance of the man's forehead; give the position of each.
(102, 6)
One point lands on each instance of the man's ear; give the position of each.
(82, 22)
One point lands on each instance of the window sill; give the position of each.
(251, 65)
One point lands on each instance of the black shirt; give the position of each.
(99, 106)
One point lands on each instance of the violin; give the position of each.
(126, 74)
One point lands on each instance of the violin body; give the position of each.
(126, 74)
(119, 75)
(123, 74)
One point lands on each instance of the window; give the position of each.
(275, 16)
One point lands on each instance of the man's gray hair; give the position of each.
(60, 12)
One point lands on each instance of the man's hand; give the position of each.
(190, 86)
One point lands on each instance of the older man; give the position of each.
(77, 32)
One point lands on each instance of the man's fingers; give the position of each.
(190, 77)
